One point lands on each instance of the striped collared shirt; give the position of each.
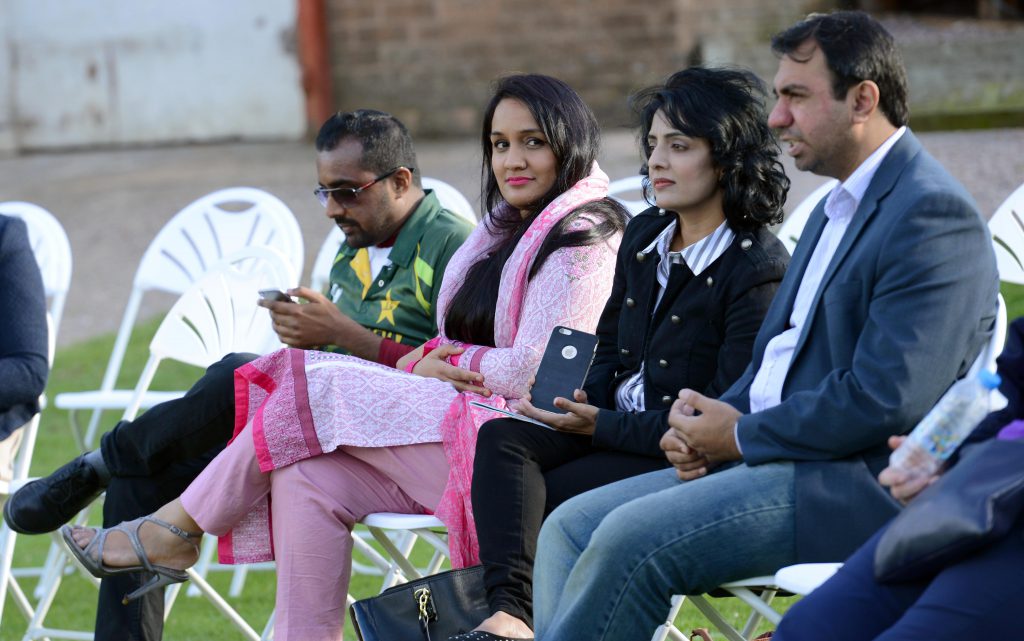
(629, 397)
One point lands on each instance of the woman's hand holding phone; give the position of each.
(581, 417)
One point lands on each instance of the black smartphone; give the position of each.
(563, 368)
(275, 294)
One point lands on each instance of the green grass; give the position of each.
(80, 367)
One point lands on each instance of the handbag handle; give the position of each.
(426, 610)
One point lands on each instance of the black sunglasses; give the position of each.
(346, 196)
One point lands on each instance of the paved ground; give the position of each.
(112, 203)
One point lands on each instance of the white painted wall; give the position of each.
(109, 72)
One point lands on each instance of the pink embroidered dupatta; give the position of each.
(271, 391)
(461, 421)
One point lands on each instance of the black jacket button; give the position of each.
(630, 302)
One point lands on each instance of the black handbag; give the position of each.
(429, 609)
(975, 503)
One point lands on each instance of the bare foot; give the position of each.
(162, 547)
(506, 625)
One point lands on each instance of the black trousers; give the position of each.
(521, 472)
(152, 460)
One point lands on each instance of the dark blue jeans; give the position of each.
(981, 597)
(152, 460)
(609, 560)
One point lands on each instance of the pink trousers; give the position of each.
(314, 505)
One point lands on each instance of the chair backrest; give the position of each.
(449, 197)
(197, 238)
(1007, 227)
(212, 227)
(791, 229)
(325, 259)
(218, 315)
(631, 185)
(52, 252)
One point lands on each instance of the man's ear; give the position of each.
(402, 181)
(864, 98)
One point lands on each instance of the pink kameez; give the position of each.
(302, 404)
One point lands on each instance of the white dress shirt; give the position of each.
(629, 397)
(841, 205)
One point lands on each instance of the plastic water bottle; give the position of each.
(943, 428)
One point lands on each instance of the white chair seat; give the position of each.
(393, 521)
(111, 399)
(804, 578)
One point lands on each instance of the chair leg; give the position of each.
(223, 606)
(268, 630)
(7, 540)
(202, 567)
(716, 619)
(668, 629)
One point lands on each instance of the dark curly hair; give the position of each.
(726, 108)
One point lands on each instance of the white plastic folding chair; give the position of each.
(449, 197)
(758, 592)
(195, 239)
(215, 316)
(630, 185)
(22, 461)
(52, 252)
(1007, 227)
(396, 534)
(793, 226)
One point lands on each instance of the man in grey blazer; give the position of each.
(889, 297)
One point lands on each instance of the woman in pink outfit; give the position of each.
(323, 440)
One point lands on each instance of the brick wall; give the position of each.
(962, 71)
(431, 62)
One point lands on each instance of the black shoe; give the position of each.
(46, 504)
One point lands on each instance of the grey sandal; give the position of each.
(91, 557)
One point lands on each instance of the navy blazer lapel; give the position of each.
(881, 184)
(777, 319)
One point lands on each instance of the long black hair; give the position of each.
(726, 108)
(574, 136)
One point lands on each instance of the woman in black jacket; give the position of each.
(694, 278)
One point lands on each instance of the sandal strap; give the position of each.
(94, 550)
(174, 529)
(133, 537)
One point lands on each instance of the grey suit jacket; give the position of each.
(904, 307)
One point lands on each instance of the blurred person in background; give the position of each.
(24, 365)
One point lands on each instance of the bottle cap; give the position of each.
(990, 380)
